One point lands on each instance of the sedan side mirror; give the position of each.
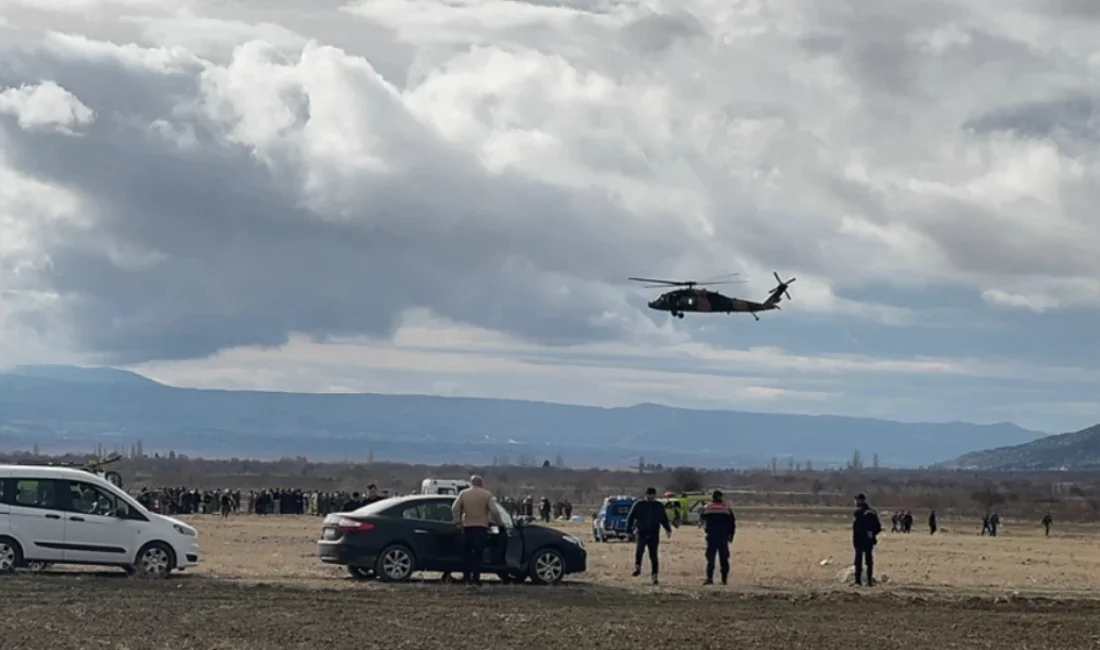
(122, 512)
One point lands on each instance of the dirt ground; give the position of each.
(260, 586)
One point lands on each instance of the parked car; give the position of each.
(58, 515)
(397, 537)
(610, 522)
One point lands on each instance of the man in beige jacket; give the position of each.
(473, 512)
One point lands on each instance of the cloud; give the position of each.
(253, 175)
(45, 106)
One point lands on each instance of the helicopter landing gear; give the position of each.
(677, 314)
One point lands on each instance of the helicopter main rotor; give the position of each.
(655, 283)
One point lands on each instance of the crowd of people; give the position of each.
(189, 501)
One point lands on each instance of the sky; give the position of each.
(447, 198)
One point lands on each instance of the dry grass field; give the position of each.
(260, 586)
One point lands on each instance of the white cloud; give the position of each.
(45, 106)
(280, 171)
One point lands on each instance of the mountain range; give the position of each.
(1078, 451)
(66, 408)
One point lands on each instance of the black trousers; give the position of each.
(721, 549)
(473, 550)
(648, 543)
(865, 555)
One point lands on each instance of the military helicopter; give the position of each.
(680, 301)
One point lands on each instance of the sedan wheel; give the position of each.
(395, 564)
(547, 567)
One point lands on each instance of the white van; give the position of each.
(58, 515)
(443, 486)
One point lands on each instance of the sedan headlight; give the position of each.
(573, 540)
(184, 530)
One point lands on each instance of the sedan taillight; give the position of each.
(346, 525)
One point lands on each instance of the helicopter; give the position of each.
(680, 301)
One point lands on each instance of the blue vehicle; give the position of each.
(610, 521)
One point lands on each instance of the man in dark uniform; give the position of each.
(720, 525)
(1047, 521)
(932, 522)
(865, 530)
(648, 517)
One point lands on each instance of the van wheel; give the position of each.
(11, 555)
(154, 560)
(547, 567)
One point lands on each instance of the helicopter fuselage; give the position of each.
(703, 301)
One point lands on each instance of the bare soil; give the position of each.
(260, 587)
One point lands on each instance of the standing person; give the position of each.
(648, 517)
(932, 522)
(473, 512)
(352, 504)
(1047, 521)
(372, 495)
(865, 530)
(720, 525)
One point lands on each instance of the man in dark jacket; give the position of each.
(647, 517)
(372, 495)
(865, 530)
(720, 525)
(352, 504)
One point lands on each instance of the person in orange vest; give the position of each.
(720, 525)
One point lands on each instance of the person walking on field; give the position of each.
(1047, 521)
(720, 525)
(865, 529)
(647, 517)
(473, 512)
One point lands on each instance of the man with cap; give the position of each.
(720, 525)
(647, 517)
(865, 529)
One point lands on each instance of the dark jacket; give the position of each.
(719, 522)
(865, 527)
(648, 517)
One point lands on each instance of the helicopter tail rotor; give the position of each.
(780, 289)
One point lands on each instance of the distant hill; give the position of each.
(1069, 451)
(63, 408)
